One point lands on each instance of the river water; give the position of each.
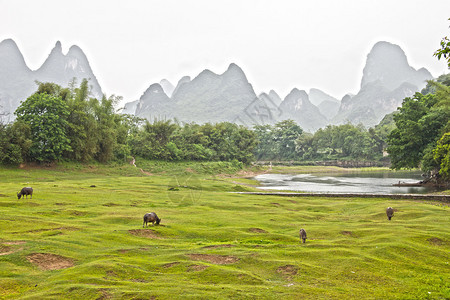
(364, 183)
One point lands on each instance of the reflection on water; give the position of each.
(370, 183)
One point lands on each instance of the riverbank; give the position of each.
(333, 163)
(287, 169)
(433, 197)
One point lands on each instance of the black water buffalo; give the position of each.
(25, 192)
(303, 234)
(151, 218)
(389, 212)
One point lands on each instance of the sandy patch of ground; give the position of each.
(215, 259)
(105, 294)
(146, 173)
(166, 266)
(251, 174)
(196, 268)
(15, 243)
(345, 232)
(257, 230)
(78, 213)
(288, 271)
(5, 250)
(148, 233)
(48, 261)
(436, 241)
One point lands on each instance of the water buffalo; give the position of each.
(25, 192)
(303, 235)
(389, 212)
(151, 217)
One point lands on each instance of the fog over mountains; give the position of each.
(387, 79)
(209, 97)
(17, 81)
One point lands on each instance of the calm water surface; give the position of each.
(366, 183)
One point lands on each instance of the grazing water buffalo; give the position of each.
(303, 235)
(151, 218)
(389, 212)
(25, 192)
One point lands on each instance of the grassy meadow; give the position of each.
(81, 237)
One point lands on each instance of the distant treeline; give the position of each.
(57, 123)
(286, 141)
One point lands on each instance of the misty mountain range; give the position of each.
(17, 81)
(387, 79)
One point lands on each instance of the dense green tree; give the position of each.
(53, 89)
(430, 88)
(277, 142)
(46, 115)
(17, 143)
(420, 123)
(128, 127)
(82, 126)
(193, 141)
(64, 123)
(152, 140)
(304, 146)
(347, 141)
(170, 141)
(109, 125)
(376, 143)
(287, 141)
(229, 141)
(442, 156)
(439, 116)
(285, 134)
(10, 152)
(267, 148)
(385, 127)
(406, 144)
(244, 142)
(323, 143)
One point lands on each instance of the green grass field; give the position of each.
(81, 237)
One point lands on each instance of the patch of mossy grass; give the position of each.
(211, 243)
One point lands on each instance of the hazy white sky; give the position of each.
(280, 44)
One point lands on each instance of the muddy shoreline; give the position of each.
(440, 198)
(422, 184)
